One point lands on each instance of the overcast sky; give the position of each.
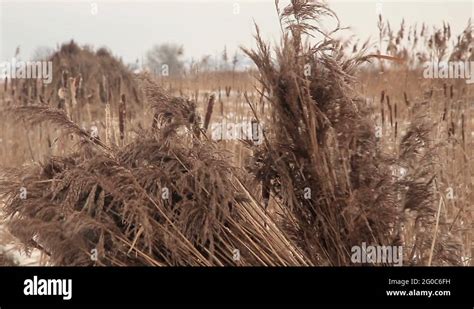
(130, 28)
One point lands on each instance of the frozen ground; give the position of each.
(10, 247)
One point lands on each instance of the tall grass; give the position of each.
(119, 171)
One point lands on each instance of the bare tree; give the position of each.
(42, 53)
(165, 59)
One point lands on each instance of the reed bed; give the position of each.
(112, 169)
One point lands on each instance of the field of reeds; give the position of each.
(104, 167)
